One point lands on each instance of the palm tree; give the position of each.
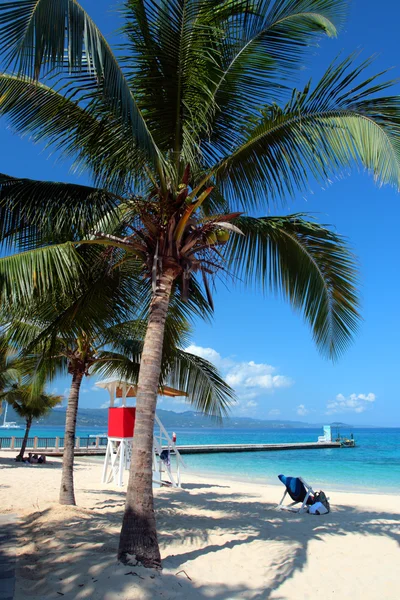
(189, 126)
(82, 336)
(29, 404)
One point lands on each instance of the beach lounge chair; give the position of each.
(299, 491)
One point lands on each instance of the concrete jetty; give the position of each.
(211, 449)
(97, 446)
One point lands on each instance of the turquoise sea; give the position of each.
(374, 465)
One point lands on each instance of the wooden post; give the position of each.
(57, 443)
(112, 391)
(77, 442)
(121, 463)
(97, 441)
(12, 444)
(35, 442)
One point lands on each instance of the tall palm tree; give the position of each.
(190, 125)
(29, 403)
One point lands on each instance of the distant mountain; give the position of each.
(97, 417)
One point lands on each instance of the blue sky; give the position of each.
(262, 347)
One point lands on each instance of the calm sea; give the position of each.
(374, 465)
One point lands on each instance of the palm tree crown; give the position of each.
(183, 128)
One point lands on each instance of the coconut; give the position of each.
(222, 236)
(211, 238)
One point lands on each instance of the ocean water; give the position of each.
(374, 465)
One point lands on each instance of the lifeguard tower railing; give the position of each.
(164, 446)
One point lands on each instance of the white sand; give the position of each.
(220, 540)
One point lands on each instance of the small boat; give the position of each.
(9, 424)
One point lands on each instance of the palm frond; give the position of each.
(174, 59)
(30, 403)
(321, 132)
(262, 44)
(110, 364)
(308, 264)
(39, 38)
(92, 138)
(38, 274)
(34, 212)
(200, 379)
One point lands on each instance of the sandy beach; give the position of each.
(220, 540)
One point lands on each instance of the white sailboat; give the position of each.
(8, 424)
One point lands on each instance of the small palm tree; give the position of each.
(189, 127)
(29, 404)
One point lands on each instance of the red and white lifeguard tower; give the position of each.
(167, 461)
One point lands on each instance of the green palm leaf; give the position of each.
(173, 64)
(90, 137)
(29, 402)
(200, 379)
(261, 46)
(43, 37)
(32, 212)
(308, 264)
(322, 132)
(37, 274)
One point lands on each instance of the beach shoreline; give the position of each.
(220, 539)
(240, 478)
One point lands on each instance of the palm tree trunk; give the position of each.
(138, 534)
(67, 494)
(25, 440)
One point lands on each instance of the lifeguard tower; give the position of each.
(167, 461)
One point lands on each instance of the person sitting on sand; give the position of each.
(34, 459)
(42, 459)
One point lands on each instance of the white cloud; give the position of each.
(302, 410)
(248, 395)
(210, 354)
(249, 379)
(243, 374)
(274, 412)
(256, 375)
(251, 404)
(357, 403)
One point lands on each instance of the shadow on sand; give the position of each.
(91, 538)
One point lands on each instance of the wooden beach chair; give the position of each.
(299, 491)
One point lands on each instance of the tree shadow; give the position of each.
(8, 540)
(196, 486)
(10, 463)
(75, 548)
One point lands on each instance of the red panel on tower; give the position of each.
(121, 421)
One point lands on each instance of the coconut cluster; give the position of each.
(217, 236)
